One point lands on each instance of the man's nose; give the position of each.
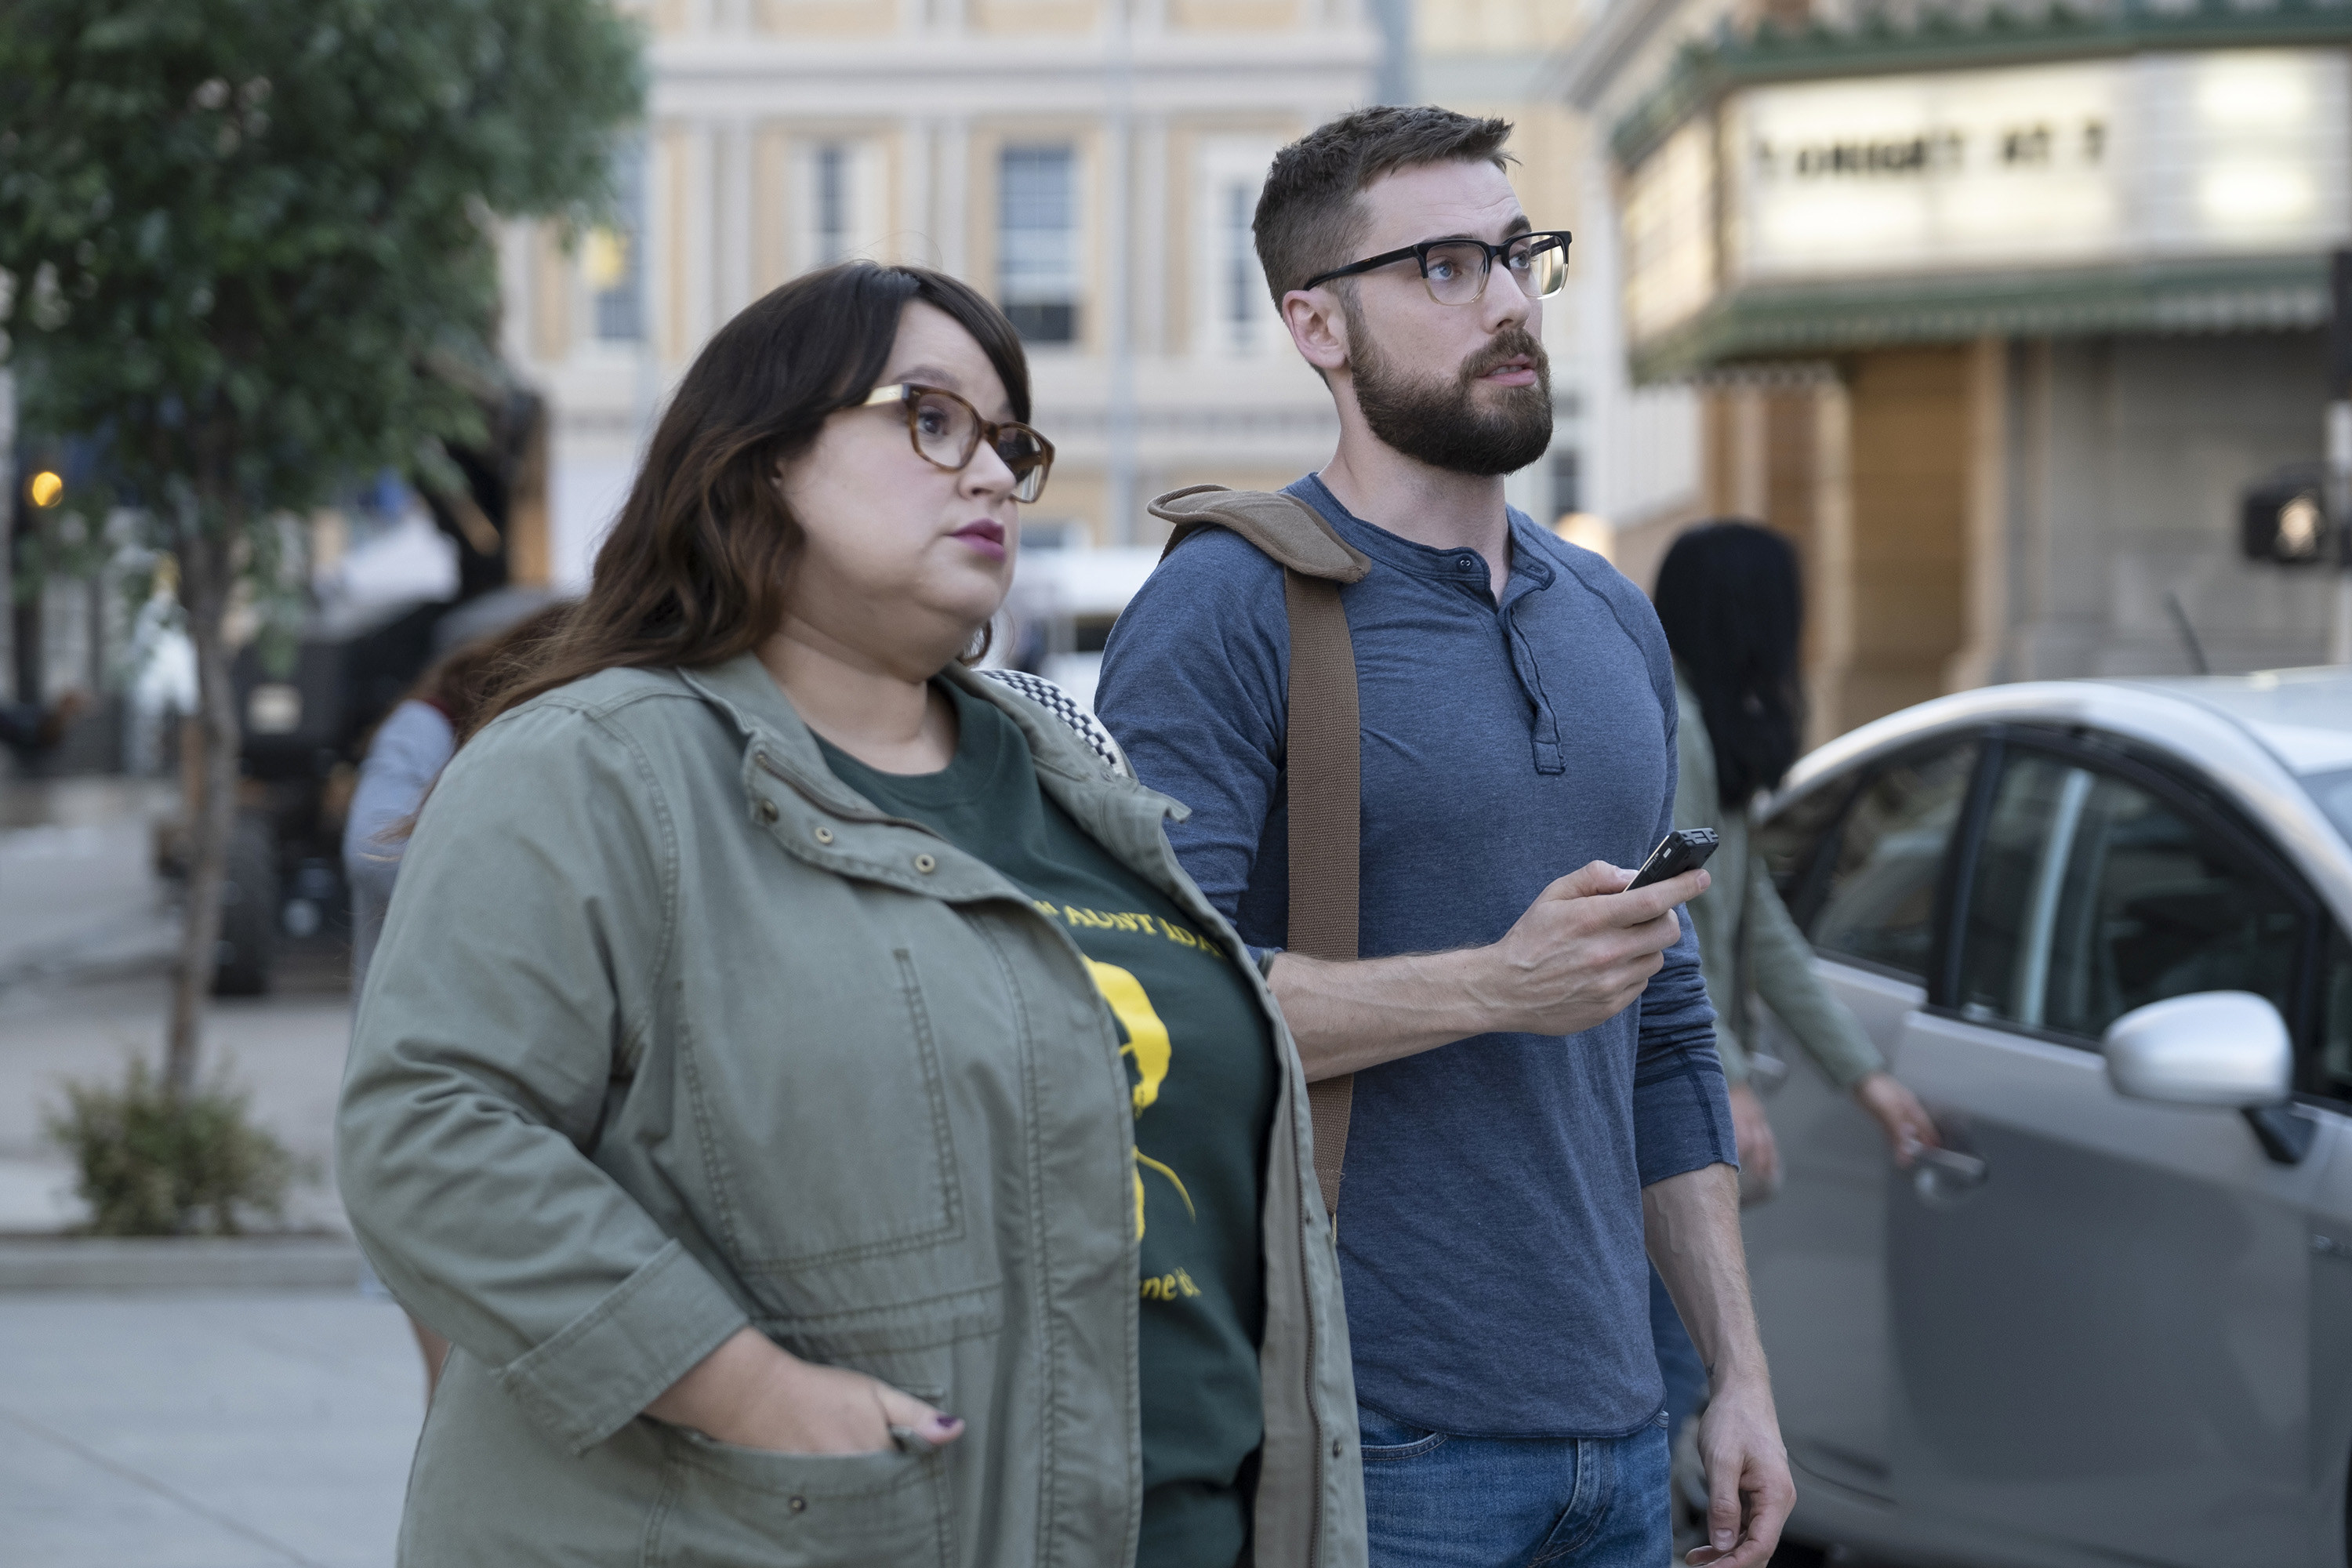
(1505, 303)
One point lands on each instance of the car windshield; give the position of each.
(2333, 793)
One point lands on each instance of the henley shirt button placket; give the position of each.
(926, 865)
(824, 835)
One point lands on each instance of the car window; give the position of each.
(2333, 793)
(2093, 896)
(1880, 906)
(1790, 841)
(2333, 1078)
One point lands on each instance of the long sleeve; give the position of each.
(1193, 687)
(1681, 1120)
(517, 974)
(1782, 963)
(410, 747)
(1714, 914)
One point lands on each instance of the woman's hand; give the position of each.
(753, 1394)
(1759, 1152)
(1899, 1115)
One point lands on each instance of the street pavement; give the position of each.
(163, 1429)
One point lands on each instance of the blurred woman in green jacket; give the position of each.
(796, 1075)
(1730, 598)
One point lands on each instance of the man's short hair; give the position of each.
(1308, 218)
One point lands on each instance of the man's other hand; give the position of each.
(1749, 1489)
(1582, 952)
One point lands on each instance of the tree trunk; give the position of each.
(207, 576)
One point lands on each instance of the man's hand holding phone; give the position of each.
(1586, 947)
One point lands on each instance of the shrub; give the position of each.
(150, 1167)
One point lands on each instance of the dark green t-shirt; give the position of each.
(1202, 1069)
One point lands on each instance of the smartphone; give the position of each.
(1684, 849)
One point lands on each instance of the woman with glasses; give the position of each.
(795, 1074)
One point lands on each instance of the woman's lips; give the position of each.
(987, 536)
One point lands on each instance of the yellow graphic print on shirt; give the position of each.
(1147, 1046)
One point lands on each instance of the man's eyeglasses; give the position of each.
(946, 431)
(1455, 270)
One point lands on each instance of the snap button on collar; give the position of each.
(926, 865)
(767, 809)
(824, 835)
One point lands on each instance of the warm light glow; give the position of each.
(2254, 91)
(1590, 531)
(46, 488)
(2249, 195)
(604, 257)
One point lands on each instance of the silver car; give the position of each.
(2112, 1322)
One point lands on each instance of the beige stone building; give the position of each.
(1093, 165)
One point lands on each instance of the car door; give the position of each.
(1859, 859)
(2102, 1347)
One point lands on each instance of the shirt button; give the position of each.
(926, 865)
(798, 1505)
(767, 809)
(1338, 1448)
(824, 835)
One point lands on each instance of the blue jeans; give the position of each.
(1440, 1501)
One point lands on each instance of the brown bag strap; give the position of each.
(1323, 747)
(1325, 761)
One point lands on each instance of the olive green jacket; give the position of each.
(670, 1032)
(1748, 945)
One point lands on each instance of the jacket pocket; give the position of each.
(725, 1506)
(828, 1140)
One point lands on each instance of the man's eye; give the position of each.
(1440, 269)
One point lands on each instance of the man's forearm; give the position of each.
(1692, 1225)
(1350, 1016)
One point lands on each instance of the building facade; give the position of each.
(1996, 315)
(1091, 165)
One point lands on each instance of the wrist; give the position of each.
(1477, 982)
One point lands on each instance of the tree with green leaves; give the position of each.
(247, 258)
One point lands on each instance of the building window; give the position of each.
(1037, 230)
(1242, 289)
(1567, 481)
(829, 169)
(613, 258)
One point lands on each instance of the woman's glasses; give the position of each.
(1455, 270)
(946, 431)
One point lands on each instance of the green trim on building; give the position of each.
(1817, 319)
(1703, 73)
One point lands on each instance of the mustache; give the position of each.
(1511, 342)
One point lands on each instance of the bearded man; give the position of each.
(1537, 1093)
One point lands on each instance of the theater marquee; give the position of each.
(2151, 159)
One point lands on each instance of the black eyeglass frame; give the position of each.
(1420, 255)
(908, 395)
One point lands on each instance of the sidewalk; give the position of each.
(155, 1430)
(88, 937)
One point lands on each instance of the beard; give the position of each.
(1438, 421)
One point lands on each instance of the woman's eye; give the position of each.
(931, 421)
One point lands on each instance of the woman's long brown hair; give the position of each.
(695, 569)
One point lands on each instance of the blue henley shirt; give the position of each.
(1492, 1249)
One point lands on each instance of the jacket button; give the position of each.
(824, 835)
(1338, 1448)
(926, 865)
(798, 1505)
(767, 809)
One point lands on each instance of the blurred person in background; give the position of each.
(781, 1038)
(406, 755)
(1730, 599)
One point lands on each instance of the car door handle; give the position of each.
(1952, 1168)
(1945, 1177)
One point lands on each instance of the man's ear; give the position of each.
(1319, 328)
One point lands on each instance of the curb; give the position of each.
(179, 1263)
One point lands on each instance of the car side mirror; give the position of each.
(2226, 1049)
